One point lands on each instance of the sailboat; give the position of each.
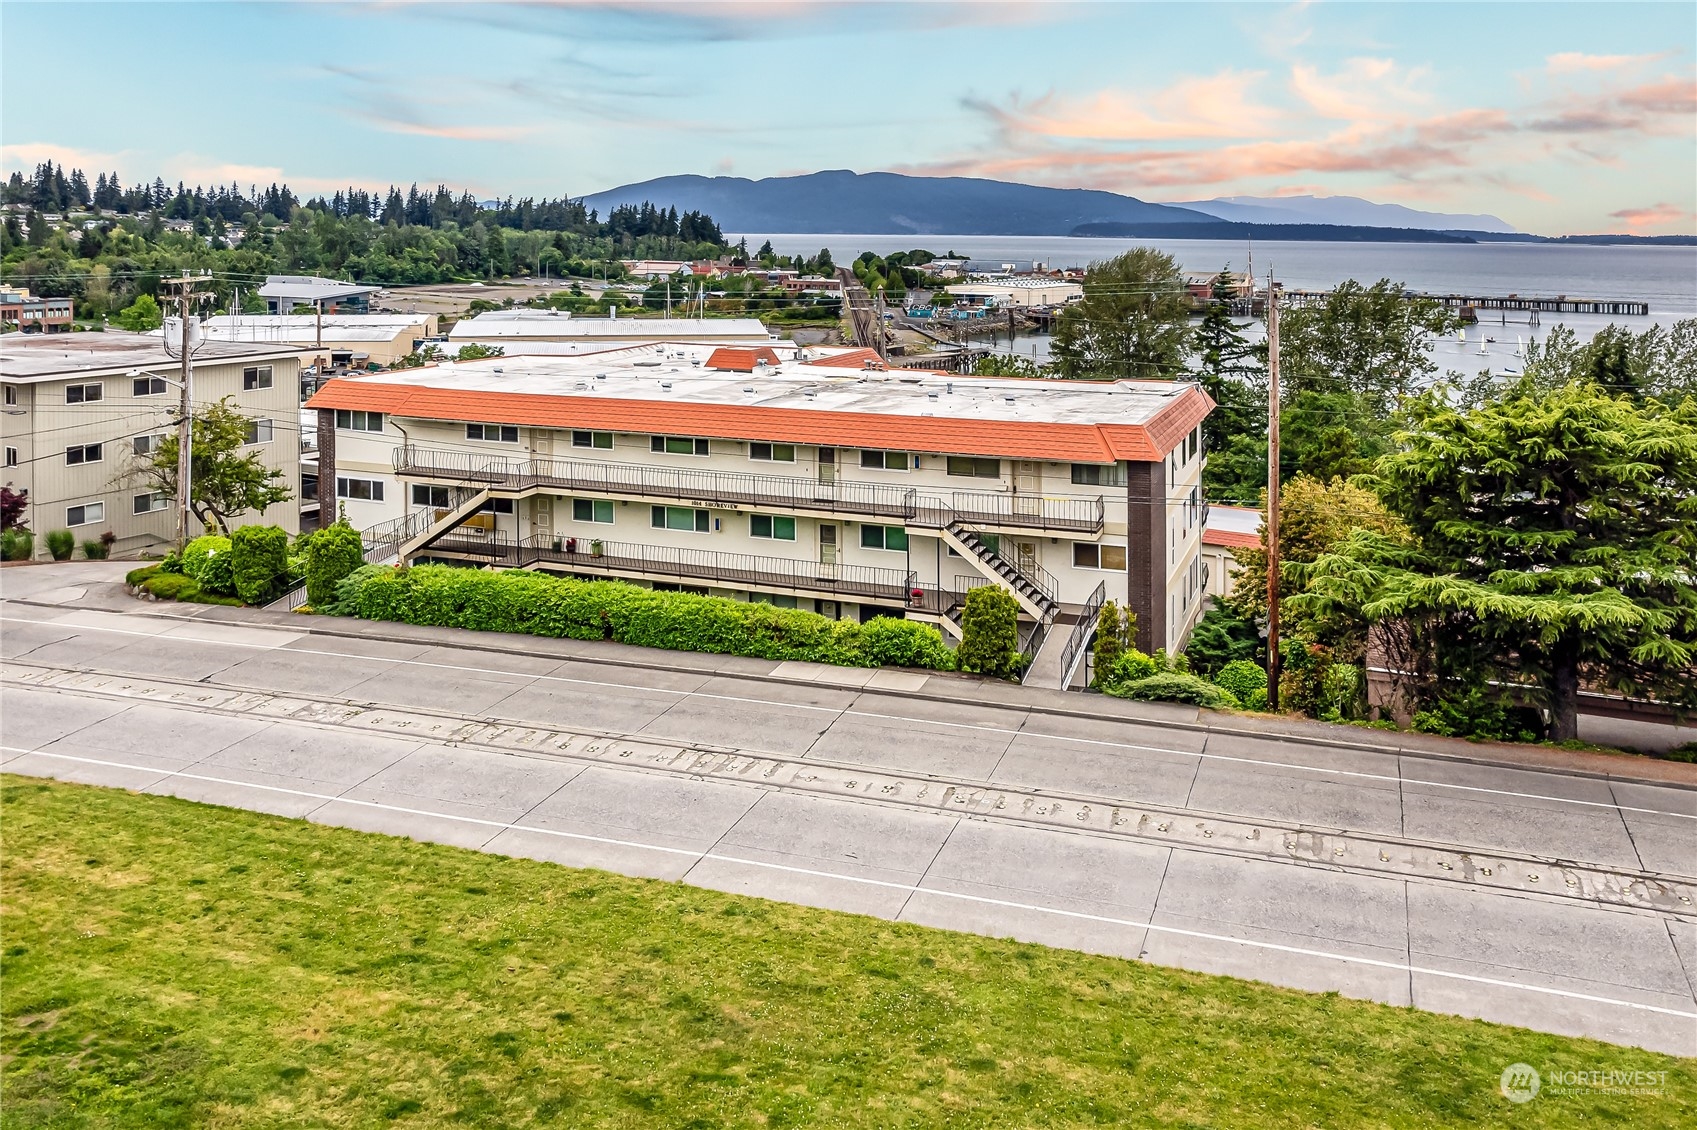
(1483, 352)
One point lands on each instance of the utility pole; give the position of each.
(1272, 496)
(186, 296)
(318, 323)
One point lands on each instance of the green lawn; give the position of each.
(172, 964)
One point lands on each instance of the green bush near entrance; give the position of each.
(536, 604)
(990, 633)
(331, 555)
(259, 558)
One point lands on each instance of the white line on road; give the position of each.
(462, 668)
(910, 888)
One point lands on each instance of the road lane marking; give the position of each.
(848, 712)
(909, 888)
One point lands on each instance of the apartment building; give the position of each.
(334, 341)
(28, 313)
(827, 485)
(81, 412)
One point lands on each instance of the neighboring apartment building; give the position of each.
(282, 293)
(29, 314)
(82, 412)
(335, 341)
(826, 485)
(1225, 531)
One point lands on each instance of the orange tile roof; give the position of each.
(853, 359)
(1231, 539)
(1014, 439)
(741, 360)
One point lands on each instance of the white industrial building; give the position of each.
(515, 330)
(829, 485)
(1017, 293)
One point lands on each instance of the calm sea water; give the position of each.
(1665, 277)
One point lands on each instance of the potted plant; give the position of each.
(595, 548)
(61, 544)
(916, 597)
(557, 545)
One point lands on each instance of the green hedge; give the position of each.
(169, 586)
(990, 633)
(536, 604)
(201, 550)
(1245, 681)
(331, 554)
(259, 560)
(1172, 686)
(136, 576)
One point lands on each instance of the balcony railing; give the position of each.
(988, 508)
(726, 570)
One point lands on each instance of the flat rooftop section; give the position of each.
(1236, 527)
(676, 374)
(310, 287)
(298, 327)
(497, 324)
(39, 357)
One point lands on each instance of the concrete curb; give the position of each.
(1625, 768)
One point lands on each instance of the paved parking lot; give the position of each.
(1503, 893)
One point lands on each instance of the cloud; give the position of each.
(1572, 62)
(1365, 90)
(1653, 216)
(418, 128)
(1213, 106)
(26, 155)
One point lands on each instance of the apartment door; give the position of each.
(1027, 486)
(542, 513)
(827, 465)
(542, 442)
(827, 544)
(1025, 557)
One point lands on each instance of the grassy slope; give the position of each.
(167, 963)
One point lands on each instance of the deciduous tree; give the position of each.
(1134, 320)
(223, 482)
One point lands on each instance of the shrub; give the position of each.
(61, 544)
(1686, 753)
(171, 586)
(541, 605)
(1114, 630)
(259, 562)
(331, 554)
(1472, 713)
(889, 642)
(1221, 637)
(201, 550)
(172, 563)
(989, 633)
(1129, 667)
(1241, 679)
(1174, 686)
(136, 576)
(95, 550)
(16, 544)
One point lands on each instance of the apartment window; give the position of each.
(258, 431)
(362, 490)
(1087, 556)
(257, 376)
(497, 506)
(883, 537)
(972, 467)
(84, 394)
(146, 445)
(678, 445)
(884, 460)
(87, 513)
(776, 600)
(592, 510)
(602, 440)
(677, 518)
(771, 526)
(492, 433)
(772, 452)
(425, 495)
(357, 421)
(1098, 474)
(153, 500)
(83, 453)
(11, 394)
(11, 457)
(149, 386)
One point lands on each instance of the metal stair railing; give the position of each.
(1044, 588)
(1081, 632)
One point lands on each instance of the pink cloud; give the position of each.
(1654, 216)
(1365, 90)
(1571, 62)
(1214, 106)
(449, 132)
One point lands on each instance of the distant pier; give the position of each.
(1560, 304)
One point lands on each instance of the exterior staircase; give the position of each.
(1040, 602)
(464, 502)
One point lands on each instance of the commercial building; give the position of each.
(1017, 293)
(513, 329)
(82, 413)
(335, 341)
(282, 293)
(828, 485)
(24, 312)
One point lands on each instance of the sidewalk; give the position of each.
(99, 585)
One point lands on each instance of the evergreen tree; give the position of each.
(1132, 322)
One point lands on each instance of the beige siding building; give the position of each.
(335, 341)
(82, 411)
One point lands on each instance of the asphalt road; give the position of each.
(1553, 901)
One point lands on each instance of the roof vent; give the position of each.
(930, 396)
(667, 385)
(748, 388)
(1008, 398)
(950, 386)
(600, 376)
(809, 393)
(498, 369)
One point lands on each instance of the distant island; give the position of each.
(1305, 233)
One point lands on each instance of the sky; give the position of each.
(1556, 117)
